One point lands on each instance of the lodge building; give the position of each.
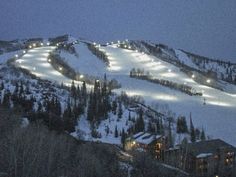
(210, 158)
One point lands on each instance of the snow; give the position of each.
(6, 56)
(145, 139)
(86, 63)
(220, 106)
(35, 60)
(217, 117)
(203, 155)
(24, 122)
(185, 59)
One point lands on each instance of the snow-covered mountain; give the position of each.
(170, 81)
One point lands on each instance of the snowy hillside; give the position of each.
(208, 110)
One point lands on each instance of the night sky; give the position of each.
(206, 27)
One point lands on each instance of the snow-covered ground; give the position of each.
(36, 61)
(217, 116)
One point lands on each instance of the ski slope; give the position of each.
(217, 117)
(36, 61)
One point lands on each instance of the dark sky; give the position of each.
(206, 27)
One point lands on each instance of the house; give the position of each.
(214, 158)
(154, 144)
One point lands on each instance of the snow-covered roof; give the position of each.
(203, 155)
(145, 138)
(137, 135)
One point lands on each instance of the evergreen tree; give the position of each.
(139, 125)
(114, 107)
(123, 137)
(192, 130)
(203, 137)
(120, 111)
(116, 132)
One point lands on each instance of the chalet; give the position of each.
(154, 144)
(213, 158)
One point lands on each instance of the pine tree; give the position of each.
(120, 111)
(203, 137)
(123, 137)
(116, 132)
(114, 107)
(139, 125)
(192, 130)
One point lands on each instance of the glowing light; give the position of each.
(41, 44)
(30, 46)
(129, 47)
(166, 97)
(48, 43)
(60, 68)
(134, 143)
(193, 76)
(107, 43)
(97, 80)
(34, 45)
(208, 81)
(57, 44)
(168, 75)
(16, 55)
(218, 103)
(34, 68)
(169, 70)
(125, 46)
(81, 76)
(118, 41)
(24, 51)
(49, 60)
(94, 43)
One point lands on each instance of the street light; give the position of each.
(41, 44)
(30, 46)
(24, 51)
(60, 68)
(208, 81)
(16, 55)
(48, 43)
(81, 76)
(193, 76)
(34, 45)
(49, 60)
